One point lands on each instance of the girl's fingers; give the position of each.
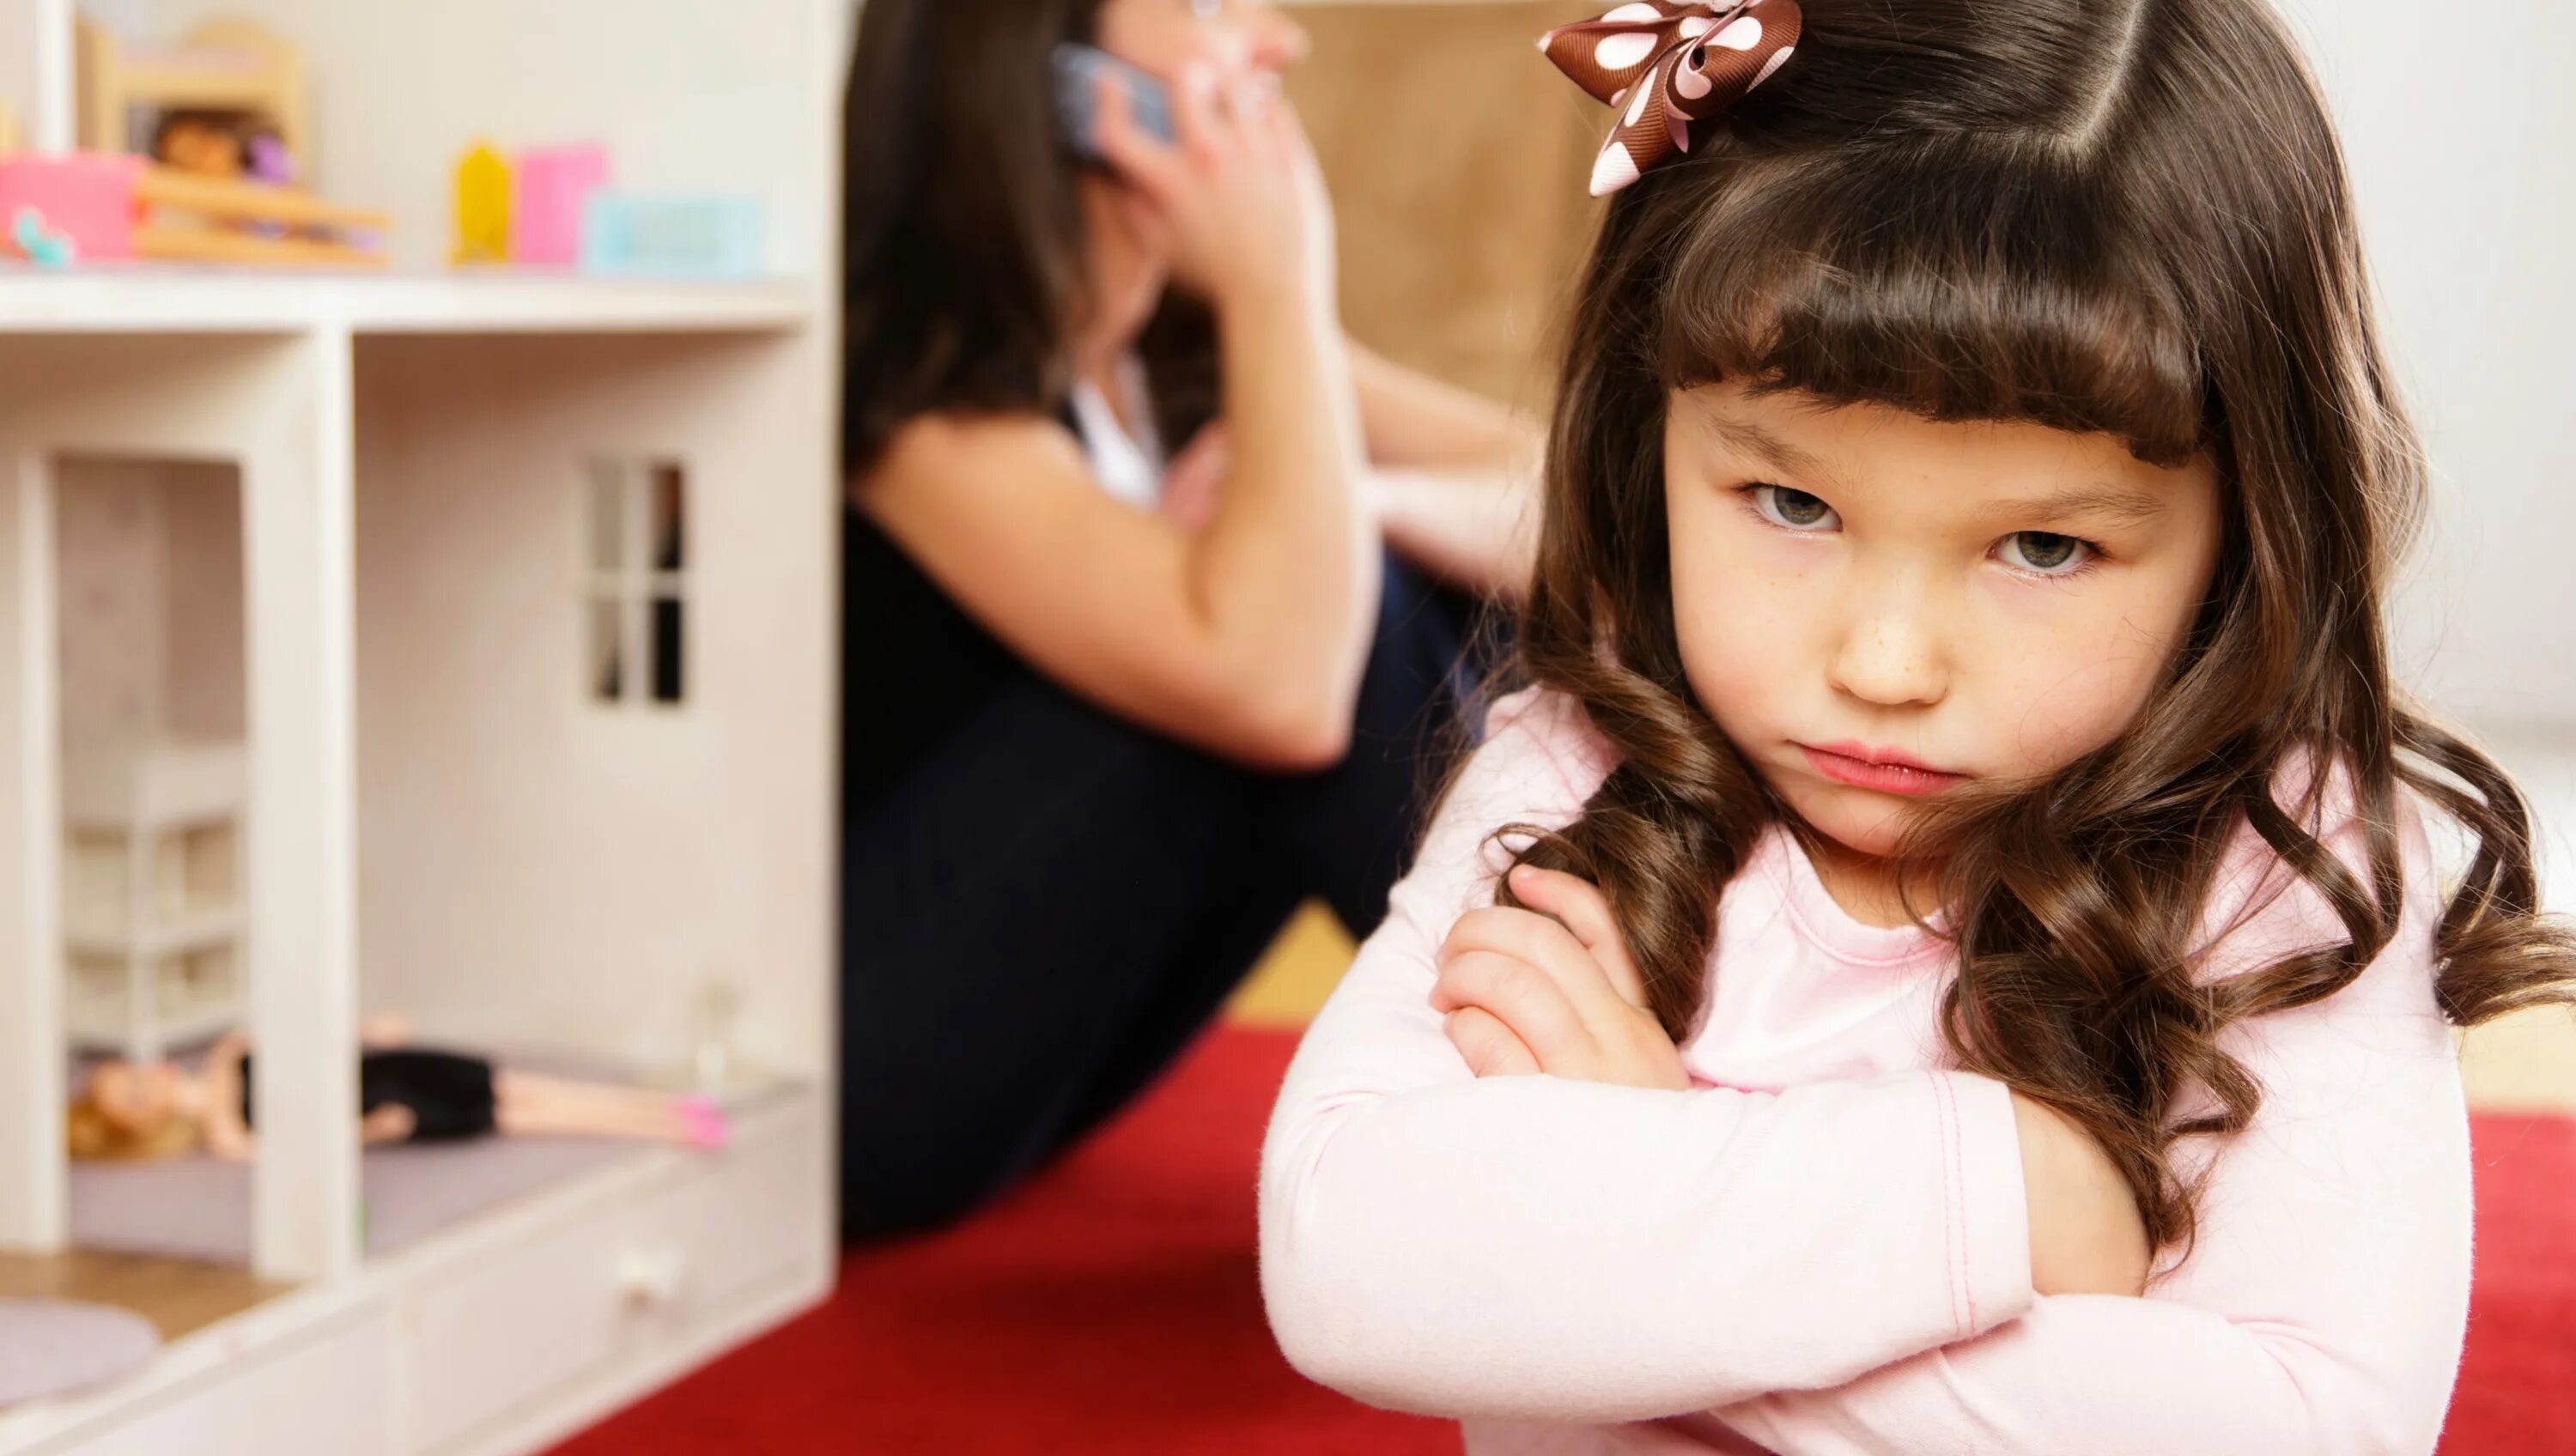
(1488, 1045)
(1581, 908)
(1549, 947)
(1526, 1000)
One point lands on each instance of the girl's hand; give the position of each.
(1239, 195)
(1195, 476)
(2086, 1236)
(1550, 989)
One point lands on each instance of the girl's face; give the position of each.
(1875, 607)
(1235, 37)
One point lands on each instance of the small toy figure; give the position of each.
(206, 143)
(406, 1094)
(482, 207)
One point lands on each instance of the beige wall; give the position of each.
(1457, 157)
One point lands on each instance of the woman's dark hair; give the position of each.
(963, 232)
(2118, 216)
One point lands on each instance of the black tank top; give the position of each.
(913, 664)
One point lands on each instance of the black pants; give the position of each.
(1042, 916)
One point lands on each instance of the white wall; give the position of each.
(538, 869)
(151, 602)
(673, 87)
(2459, 123)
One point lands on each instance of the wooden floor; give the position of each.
(178, 1296)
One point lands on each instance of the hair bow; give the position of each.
(1670, 63)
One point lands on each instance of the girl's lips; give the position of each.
(1887, 778)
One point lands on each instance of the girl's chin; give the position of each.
(1864, 825)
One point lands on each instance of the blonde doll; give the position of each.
(406, 1093)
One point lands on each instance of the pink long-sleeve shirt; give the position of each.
(1823, 1249)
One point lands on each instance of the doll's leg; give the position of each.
(527, 1103)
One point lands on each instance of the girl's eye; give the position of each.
(1794, 509)
(2047, 553)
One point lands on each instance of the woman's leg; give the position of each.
(1051, 908)
(1342, 835)
(1349, 833)
(1009, 911)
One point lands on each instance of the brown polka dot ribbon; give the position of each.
(1668, 63)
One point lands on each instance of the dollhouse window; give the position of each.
(635, 621)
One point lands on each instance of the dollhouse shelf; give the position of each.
(198, 930)
(162, 300)
(103, 1022)
(354, 523)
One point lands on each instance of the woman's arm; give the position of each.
(1454, 477)
(1415, 422)
(1246, 638)
(2321, 1310)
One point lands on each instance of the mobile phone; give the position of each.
(1079, 70)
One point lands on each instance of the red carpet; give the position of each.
(1112, 1306)
(2517, 1392)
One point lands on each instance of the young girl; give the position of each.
(1958, 876)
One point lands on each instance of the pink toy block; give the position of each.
(86, 196)
(551, 186)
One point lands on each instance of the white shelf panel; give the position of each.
(106, 1024)
(162, 300)
(194, 930)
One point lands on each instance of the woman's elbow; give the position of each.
(1311, 744)
(1295, 731)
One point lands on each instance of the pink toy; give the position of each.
(88, 197)
(552, 185)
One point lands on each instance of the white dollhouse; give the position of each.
(455, 644)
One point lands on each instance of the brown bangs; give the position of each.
(1963, 282)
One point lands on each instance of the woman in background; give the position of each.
(1112, 713)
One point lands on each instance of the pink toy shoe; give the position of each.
(708, 1126)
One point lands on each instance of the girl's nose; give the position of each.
(1891, 656)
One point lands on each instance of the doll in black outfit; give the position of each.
(405, 1094)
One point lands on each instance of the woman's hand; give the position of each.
(1239, 195)
(1550, 989)
(2086, 1236)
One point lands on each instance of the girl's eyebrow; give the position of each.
(2124, 505)
(1747, 438)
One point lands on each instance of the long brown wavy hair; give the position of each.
(963, 243)
(2123, 216)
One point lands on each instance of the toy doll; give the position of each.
(406, 1094)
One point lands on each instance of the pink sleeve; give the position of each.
(2320, 1313)
(1529, 1247)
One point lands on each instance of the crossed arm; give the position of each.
(1846, 1267)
